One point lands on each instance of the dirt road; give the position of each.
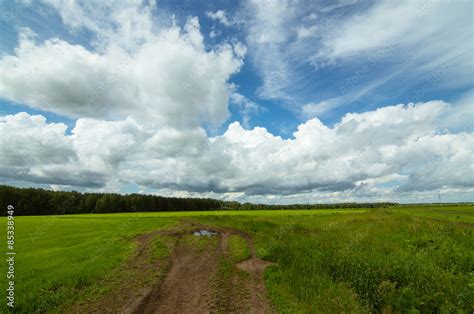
(196, 284)
(198, 277)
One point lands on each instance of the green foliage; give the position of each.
(43, 202)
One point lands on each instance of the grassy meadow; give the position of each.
(402, 259)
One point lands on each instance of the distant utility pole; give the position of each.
(439, 196)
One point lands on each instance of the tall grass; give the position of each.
(380, 261)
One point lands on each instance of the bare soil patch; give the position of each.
(197, 278)
(186, 288)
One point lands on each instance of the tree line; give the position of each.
(33, 201)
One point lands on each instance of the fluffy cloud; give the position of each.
(362, 154)
(305, 32)
(220, 16)
(170, 79)
(245, 106)
(39, 152)
(383, 153)
(29, 141)
(122, 23)
(102, 145)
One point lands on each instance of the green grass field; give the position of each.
(383, 260)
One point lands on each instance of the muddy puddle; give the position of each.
(204, 232)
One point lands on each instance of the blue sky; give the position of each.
(276, 91)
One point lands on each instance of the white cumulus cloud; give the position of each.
(384, 153)
(170, 79)
(143, 95)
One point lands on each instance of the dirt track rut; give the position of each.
(194, 284)
(194, 279)
(186, 286)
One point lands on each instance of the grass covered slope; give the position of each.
(326, 261)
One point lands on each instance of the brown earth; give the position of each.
(186, 287)
(194, 279)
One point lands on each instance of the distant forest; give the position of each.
(31, 201)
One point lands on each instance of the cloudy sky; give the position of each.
(266, 101)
